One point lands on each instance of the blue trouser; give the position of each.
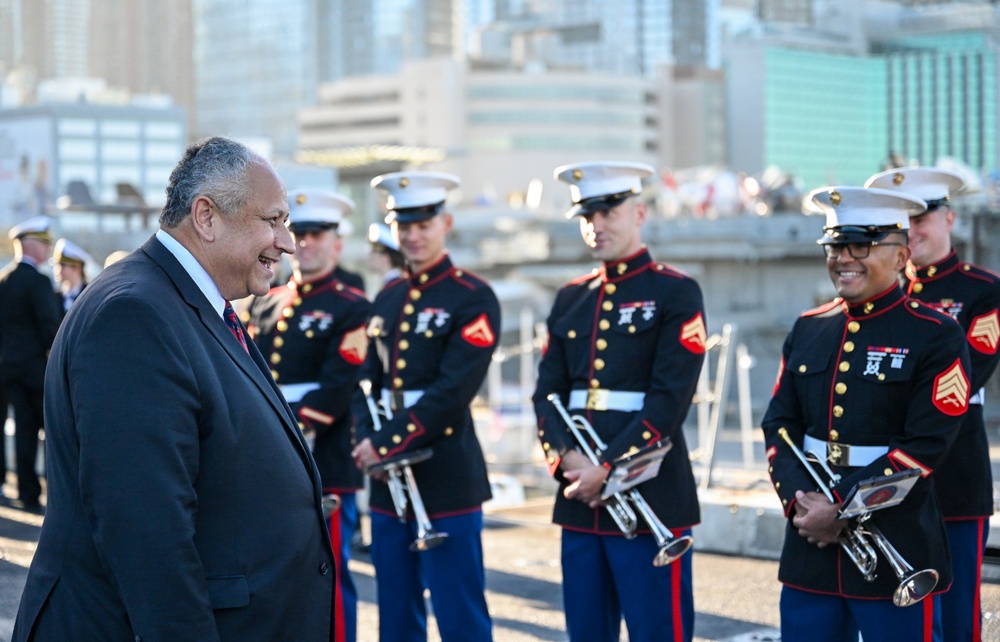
(342, 524)
(961, 614)
(606, 577)
(817, 617)
(453, 571)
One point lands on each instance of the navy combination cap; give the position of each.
(936, 186)
(860, 214)
(67, 252)
(315, 210)
(414, 196)
(380, 235)
(601, 185)
(36, 227)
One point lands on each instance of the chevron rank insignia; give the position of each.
(479, 333)
(693, 335)
(984, 333)
(951, 391)
(354, 346)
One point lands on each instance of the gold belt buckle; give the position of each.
(838, 454)
(396, 400)
(597, 399)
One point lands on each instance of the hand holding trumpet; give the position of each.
(816, 519)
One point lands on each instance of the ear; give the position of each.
(449, 220)
(641, 212)
(204, 218)
(949, 219)
(902, 257)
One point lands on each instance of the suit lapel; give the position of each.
(252, 364)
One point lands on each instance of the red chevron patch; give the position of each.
(951, 391)
(693, 335)
(479, 333)
(984, 333)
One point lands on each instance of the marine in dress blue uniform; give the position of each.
(876, 383)
(971, 295)
(625, 346)
(312, 333)
(433, 333)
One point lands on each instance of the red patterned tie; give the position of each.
(229, 314)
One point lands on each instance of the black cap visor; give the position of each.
(304, 227)
(414, 214)
(598, 204)
(856, 233)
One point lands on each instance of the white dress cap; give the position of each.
(314, 209)
(66, 251)
(379, 234)
(859, 214)
(601, 185)
(929, 183)
(36, 227)
(414, 196)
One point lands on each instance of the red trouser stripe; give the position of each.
(340, 633)
(675, 591)
(977, 616)
(928, 604)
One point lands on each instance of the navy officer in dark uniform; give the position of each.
(28, 325)
(312, 332)
(971, 295)
(433, 336)
(875, 383)
(69, 266)
(625, 346)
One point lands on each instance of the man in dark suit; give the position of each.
(27, 327)
(183, 501)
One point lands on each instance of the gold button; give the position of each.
(383, 451)
(598, 364)
(429, 333)
(571, 334)
(848, 346)
(633, 450)
(275, 358)
(966, 267)
(297, 301)
(841, 388)
(279, 341)
(610, 288)
(448, 431)
(411, 427)
(621, 268)
(401, 364)
(932, 270)
(887, 471)
(777, 485)
(802, 368)
(918, 287)
(274, 375)
(552, 460)
(397, 383)
(282, 325)
(784, 502)
(459, 273)
(404, 326)
(423, 278)
(594, 383)
(770, 469)
(869, 307)
(853, 327)
(601, 344)
(414, 294)
(834, 435)
(310, 334)
(307, 288)
(396, 439)
(607, 306)
(403, 344)
(914, 305)
(838, 411)
(881, 376)
(408, 308)
(844, 366)
(541, 433)
(245, 316)
(604, 324)
(546, 446)
(340, 286)
(646, 434)
(631, 329)
(376, 332)
(287, 312)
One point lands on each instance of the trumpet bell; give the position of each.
(672, 550)
(915, 587)
(427, 542)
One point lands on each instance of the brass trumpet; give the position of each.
(402, 484)
(860, 542)
(620, 505)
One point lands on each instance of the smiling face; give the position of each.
(858, 280)
(422, 242)
(316, 253)
(616, 233)
(249, 242)
(930, 236)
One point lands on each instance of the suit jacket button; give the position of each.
(324, 568)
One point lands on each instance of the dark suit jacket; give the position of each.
(183, 503)
(28, 323)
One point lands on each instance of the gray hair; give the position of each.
(215, 167)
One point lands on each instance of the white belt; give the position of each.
(295, 391)
(844, 454)
(979, 398)
(601, 399)
(391, 398)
